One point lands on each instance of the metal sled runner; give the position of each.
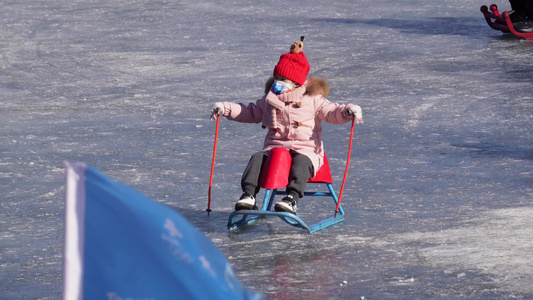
(275, 176)
(502, 22)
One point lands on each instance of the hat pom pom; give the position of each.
(297, 46)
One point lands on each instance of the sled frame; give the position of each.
(250, 216)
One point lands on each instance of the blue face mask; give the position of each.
(280, 87)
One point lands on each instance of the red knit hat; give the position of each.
(293, 65)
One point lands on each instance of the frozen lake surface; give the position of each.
(439, 196)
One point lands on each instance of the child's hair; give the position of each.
(268, 84)
(317, 85)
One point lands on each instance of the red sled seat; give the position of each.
(275, 172)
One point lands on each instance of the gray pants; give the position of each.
(301, 170)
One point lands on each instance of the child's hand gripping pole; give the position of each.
(212, 165)
(347, 166)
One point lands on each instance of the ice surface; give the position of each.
(438, 198)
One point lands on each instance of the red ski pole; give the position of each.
(346, 170)
(212, 167)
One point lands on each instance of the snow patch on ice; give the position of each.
(499, 243)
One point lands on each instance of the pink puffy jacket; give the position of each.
(294, 120)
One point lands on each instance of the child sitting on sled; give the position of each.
(291, 110)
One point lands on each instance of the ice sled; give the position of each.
(274, 176)
(502, 22)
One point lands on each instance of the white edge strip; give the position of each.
(74, 231)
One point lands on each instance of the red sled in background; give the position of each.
(502, 22)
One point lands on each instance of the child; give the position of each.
(291, 110)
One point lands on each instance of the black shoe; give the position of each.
(287, 204)
(246, 202)
(523, 26)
